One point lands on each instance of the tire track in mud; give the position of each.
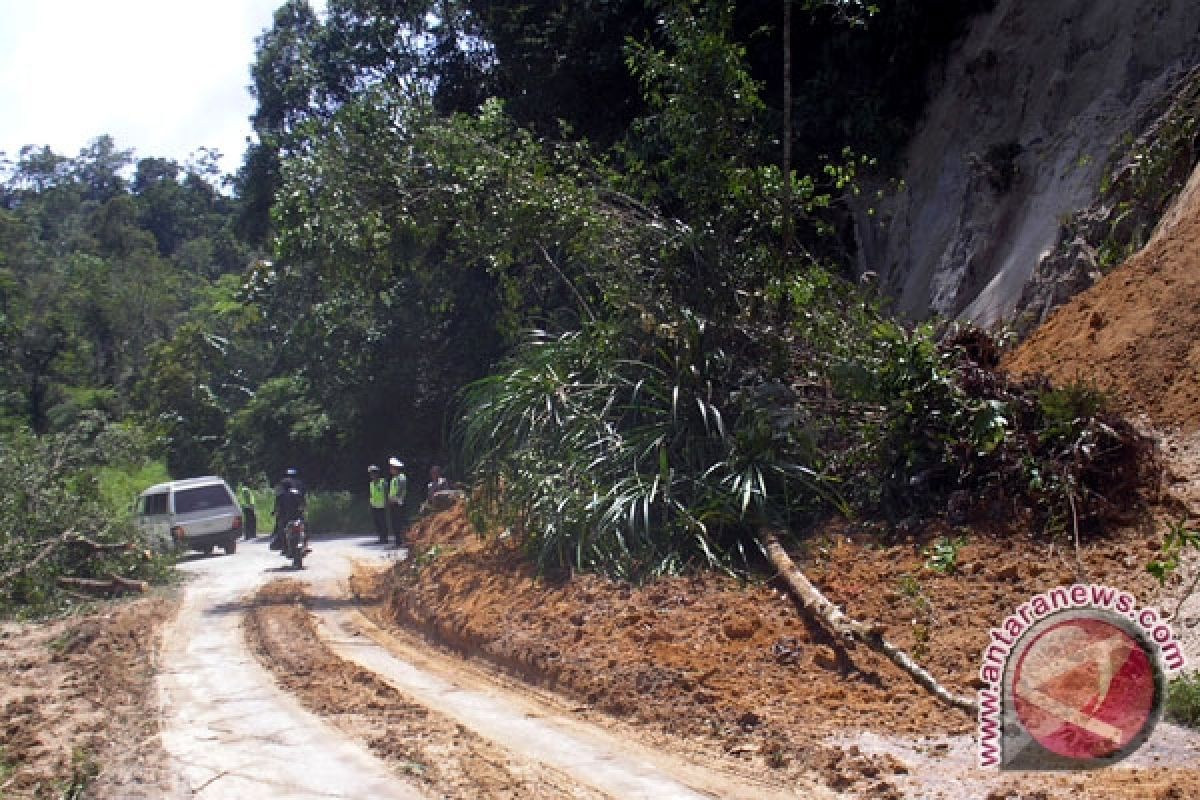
(304, 721)
(446, 758)
(229, 730)
(532, 728)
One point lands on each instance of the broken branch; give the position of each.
(833, 620)
(115, 584)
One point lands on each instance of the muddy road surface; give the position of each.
(235, 728)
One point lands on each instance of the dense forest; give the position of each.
(594, 255)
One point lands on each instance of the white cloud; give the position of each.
(163, 77)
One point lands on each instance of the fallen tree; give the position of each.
(113, 585)
(841, 627)
(49, 546)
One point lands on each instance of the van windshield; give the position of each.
(201, 498)
(152, 504)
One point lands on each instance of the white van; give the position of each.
(196, 514)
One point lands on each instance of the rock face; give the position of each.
(1135, 193)
(1032, 106)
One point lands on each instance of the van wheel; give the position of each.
(207, 549)
(231, 547)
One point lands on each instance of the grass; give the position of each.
(942, 557)
(120, 486)
(7, 768)
(337, 512)
(84, 769)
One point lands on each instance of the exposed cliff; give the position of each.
(1031, 110)
(1136, 333)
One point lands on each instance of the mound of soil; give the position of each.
(709, 658)
(1136, 333)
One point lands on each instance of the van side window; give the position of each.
(152, 504)
(202, 498)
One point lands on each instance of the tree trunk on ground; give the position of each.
(840, 626)
(115, 584)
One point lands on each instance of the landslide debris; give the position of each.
(77, 705)
(1136, 333)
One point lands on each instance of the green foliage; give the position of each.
(427, 556)
(635, 451)
(120, 484)
(1179, 540)
(6, 767)
(84, 769)
(947, 422)
(1142, 177)
(94, 271)
(1183, 700)
(942, 556)
(643, 447)
(336, 512)
(52, 487)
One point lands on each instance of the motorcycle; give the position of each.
(295, 542)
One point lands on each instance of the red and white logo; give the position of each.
(1084, 687)
(1074, 679)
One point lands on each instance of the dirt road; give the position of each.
(234, 733)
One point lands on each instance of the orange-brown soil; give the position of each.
(1136, 333)
(733, 664)
(77, 704)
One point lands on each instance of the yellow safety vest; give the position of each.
(399, 488)
(379, 493)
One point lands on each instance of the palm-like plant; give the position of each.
(632, 449)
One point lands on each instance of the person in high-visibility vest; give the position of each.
(250, 528)
(378, 488)
(396, 492)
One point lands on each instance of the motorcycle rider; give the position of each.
(289, 505)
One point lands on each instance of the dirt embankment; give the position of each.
(76, 704)
(713, 665)
(1136, 333)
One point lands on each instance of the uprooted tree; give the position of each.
(58, 535)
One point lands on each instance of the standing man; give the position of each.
(250, 529)
(378, 488)
(396, 493)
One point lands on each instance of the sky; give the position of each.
(162, 77)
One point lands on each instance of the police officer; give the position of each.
(397, 489)
(378, 489)
(250, 528)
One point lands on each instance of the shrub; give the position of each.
(1183, 700)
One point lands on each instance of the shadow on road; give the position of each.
(317, 602)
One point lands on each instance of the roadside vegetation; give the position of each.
(60, 523)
